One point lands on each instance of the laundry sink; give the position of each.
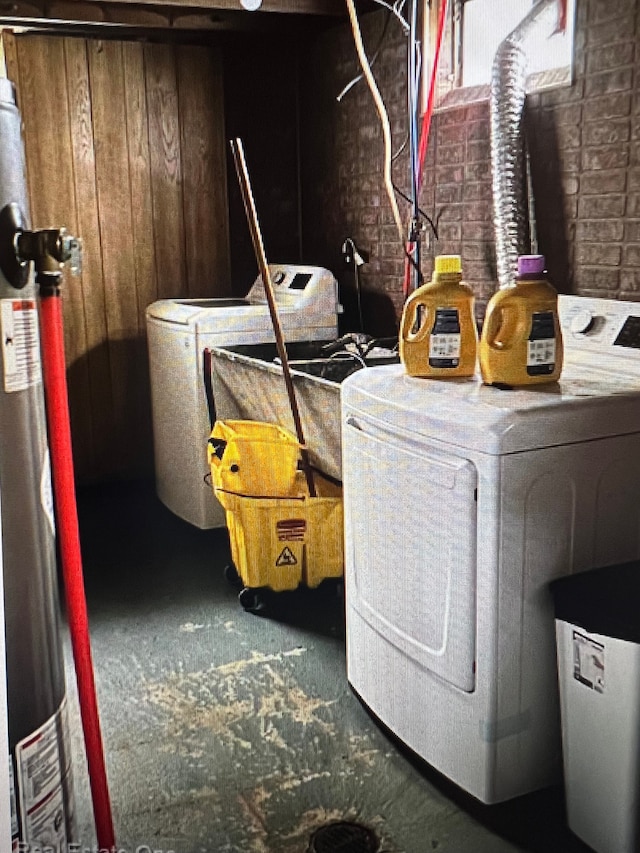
(248, 384)
(306, 357)
(341, 365)
(222, 302)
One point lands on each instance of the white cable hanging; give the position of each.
(382, 112)
(395, 10)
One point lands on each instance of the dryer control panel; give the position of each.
(608, 326)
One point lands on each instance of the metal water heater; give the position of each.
(40, 764)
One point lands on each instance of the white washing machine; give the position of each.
(462, 502)
(178, 331)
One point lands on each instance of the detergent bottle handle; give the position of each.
(500, 326)
(411, 311)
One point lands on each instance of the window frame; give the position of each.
(449, 92)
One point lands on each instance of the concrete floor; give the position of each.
(234, 733)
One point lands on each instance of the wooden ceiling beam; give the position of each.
(157, 15)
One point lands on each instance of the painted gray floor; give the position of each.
(231, 732)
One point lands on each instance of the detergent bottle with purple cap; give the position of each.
(521, 342)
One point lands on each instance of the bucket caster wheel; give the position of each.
(251, 600)
(232, 577)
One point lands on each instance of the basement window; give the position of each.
(474, 29)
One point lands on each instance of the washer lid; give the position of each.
(189, 312)
(305, 295)
(585, 404)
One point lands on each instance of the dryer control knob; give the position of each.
(582, 322)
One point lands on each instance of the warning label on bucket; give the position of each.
(291, 529)
(286, 558)
(20, 344)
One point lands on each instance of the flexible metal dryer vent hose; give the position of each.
(508, 79)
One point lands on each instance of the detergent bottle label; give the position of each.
(541, 344)
(445, 339)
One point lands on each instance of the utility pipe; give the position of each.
(59, 433)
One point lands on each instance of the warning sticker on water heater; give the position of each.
(20, 344)
(44, 778)
(588, 662)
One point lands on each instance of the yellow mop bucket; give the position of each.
(253, 458)
(280, 543)
(280, 537)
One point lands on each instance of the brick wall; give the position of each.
(584, 143)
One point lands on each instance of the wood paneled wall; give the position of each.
(125, 147)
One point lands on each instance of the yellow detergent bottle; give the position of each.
(521, 341)
(438, 333)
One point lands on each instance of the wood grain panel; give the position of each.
(125, 147)
(142, 231)
(140, 177)
(49, 156)
(100, 402)
(166, 168)
(204, 186)
(118, 258)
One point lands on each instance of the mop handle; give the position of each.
(256, 236)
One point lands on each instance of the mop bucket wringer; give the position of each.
(280, 537)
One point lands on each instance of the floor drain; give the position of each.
(343, 837)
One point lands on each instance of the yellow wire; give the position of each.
(382, 112)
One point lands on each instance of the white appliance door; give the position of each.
(410, 515)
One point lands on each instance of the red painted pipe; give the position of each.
(59, 431)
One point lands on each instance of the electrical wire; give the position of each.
(342, 356)
(426, 119)
(395, 10)
(356, 273)
(413, 264)
(395, 156)
(372, 61)
(433, 225)
(357, 262)
(382, 112)
(413, 77)
(399, 6)
(424, 132)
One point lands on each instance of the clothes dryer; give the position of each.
(462, 502)
(178, 331)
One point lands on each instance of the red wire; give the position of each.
(426, 118)
(426, 126)
(55, 387)
(562, 16)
